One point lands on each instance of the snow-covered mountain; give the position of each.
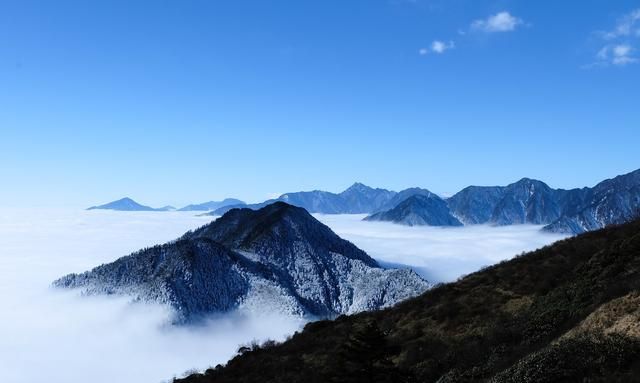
(277, 258)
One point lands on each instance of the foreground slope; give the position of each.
(278, 258)
(567, 312)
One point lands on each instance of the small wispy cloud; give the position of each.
(618, 47)
(628, 25)
(621, 54)
(440, 47)
(616, 54)
(437, 47)
(500, 22)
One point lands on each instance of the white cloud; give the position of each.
(438, 47)
(438, 254)
(621, 55)
(500, 22)
(626, 26)
(618, 48)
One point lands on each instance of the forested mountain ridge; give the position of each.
(278, 258)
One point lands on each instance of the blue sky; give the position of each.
(172, 102)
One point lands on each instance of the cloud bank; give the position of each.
(438, 254)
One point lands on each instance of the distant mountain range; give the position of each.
(213, 205)
(526, 201)
(275, 258)
(569, 312)
(357, 199)
(127, 204)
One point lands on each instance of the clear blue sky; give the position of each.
(171, 102)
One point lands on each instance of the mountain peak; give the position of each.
(123, 204)
(358, 186)
(529, 181)
(419, 209)
(276, 225)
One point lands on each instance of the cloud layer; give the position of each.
(438, 254)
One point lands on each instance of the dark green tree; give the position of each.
(364, 356)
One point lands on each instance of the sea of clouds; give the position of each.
(60, 336)
(438, 254)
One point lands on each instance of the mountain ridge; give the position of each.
(529, 201)
(213, 205)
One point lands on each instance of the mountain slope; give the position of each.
(213, 205)
(419, 210)
(476, 204)
(612, 201)
(276, 258)
(124, 204)
(526, 201)
(567, 312)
